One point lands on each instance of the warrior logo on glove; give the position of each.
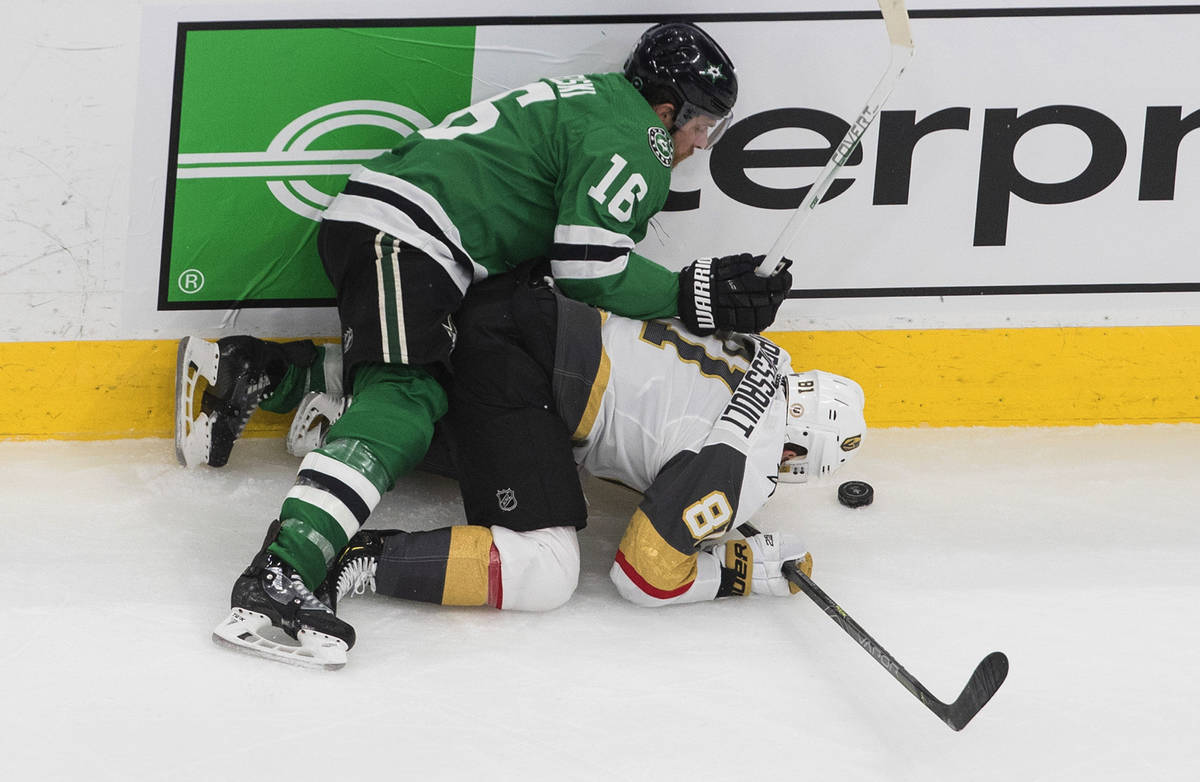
(701, 280)
(726, 294)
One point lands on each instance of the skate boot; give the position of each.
(239, 373)
(270, 594)
(354, 571)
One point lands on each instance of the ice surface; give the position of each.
(1075, 551)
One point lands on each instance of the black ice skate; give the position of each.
(270, 594)
(354, 572)
(239, 372)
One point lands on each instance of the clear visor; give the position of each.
(714, 125)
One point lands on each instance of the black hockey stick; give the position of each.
(982, 685)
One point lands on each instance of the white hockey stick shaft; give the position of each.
(895, 17)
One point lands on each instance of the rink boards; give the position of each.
(1012, 244)
(943, 377)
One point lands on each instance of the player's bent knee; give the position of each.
(539, 569)
(393, 412)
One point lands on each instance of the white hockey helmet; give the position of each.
(825, 424)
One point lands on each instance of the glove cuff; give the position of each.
(737, 567)
(696, 297)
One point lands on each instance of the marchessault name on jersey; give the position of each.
(754, 394)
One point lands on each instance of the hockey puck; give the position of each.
(855, 494)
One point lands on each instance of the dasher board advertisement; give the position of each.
(1034, 166)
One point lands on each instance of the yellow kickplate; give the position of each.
(96, 391)
(943, 377)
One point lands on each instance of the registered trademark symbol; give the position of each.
(191, 281)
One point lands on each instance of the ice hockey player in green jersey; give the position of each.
(543, 384)
(570, 169)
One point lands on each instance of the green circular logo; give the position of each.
(662, 145)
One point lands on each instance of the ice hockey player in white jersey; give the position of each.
(703, 427)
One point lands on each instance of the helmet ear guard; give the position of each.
(825, 424)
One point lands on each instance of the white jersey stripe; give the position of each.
(427, 204)
(410, 192)
(590, 234)
(385, 217)
(401, 333)
(588, 270)
(381, 290)
(323, 500)
(319, 462)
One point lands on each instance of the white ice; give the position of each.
(1074, 550)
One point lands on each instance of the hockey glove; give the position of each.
(755, 564)
(725, 294)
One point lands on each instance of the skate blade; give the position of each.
(241, 631)
(197, 359)
(316, 413)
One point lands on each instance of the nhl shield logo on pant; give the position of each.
(507, 499)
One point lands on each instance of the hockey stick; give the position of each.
(895, 16)
(982, 685)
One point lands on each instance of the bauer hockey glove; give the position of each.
(724, 294)
(755, 564)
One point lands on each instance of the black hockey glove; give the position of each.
(724, 294)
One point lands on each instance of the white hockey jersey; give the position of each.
(699, 434)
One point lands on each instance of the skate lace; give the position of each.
(308, 601)
(356, 577)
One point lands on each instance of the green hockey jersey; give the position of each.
(568, 169)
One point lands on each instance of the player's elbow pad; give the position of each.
(637, 591)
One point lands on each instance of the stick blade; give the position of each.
(984, 682)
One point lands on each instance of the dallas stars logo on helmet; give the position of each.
(713, 72)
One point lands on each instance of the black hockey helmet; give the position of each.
(683, 64)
